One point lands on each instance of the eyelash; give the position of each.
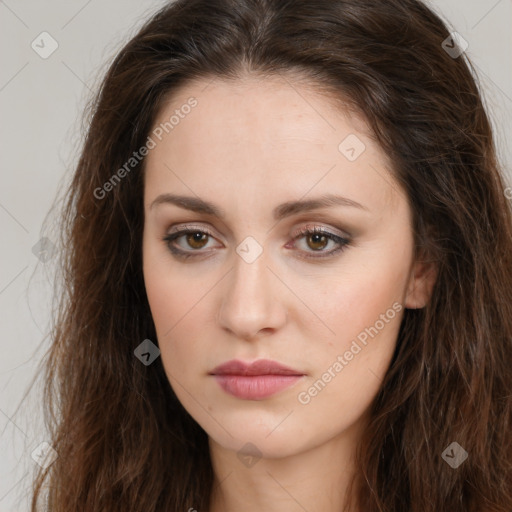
(316, 230)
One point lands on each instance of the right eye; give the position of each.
(195, 238)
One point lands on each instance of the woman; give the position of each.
(288, 271)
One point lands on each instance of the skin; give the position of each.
(248, 146)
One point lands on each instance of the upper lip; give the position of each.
(259, 367)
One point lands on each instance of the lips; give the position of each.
(259, 367)
(255, 381)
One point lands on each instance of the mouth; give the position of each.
(257, 380)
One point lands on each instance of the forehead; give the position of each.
(263, 109)
(255, 134)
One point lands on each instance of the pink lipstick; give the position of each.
(254, 381)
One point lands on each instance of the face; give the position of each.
(245, 268)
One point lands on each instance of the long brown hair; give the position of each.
(124, 441)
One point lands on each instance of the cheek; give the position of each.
(178, 329)
(360, 311)
(169, 288)
(168, 300)
(178, 301)
(166, 304)
(353, 300)
(348, 367)
(360, 303)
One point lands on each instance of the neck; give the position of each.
(314, 479)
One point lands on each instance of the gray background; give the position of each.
(41, 102)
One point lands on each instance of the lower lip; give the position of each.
(255, 387)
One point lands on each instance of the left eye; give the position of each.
(316, 239)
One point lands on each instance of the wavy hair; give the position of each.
(123, 439)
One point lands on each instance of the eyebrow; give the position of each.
(281, 211)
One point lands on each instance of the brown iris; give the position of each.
(317, 239)
(197, 238)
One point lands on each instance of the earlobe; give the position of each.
(421, 284)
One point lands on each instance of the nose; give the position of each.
(252, 300)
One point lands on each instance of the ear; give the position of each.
(421, 283)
